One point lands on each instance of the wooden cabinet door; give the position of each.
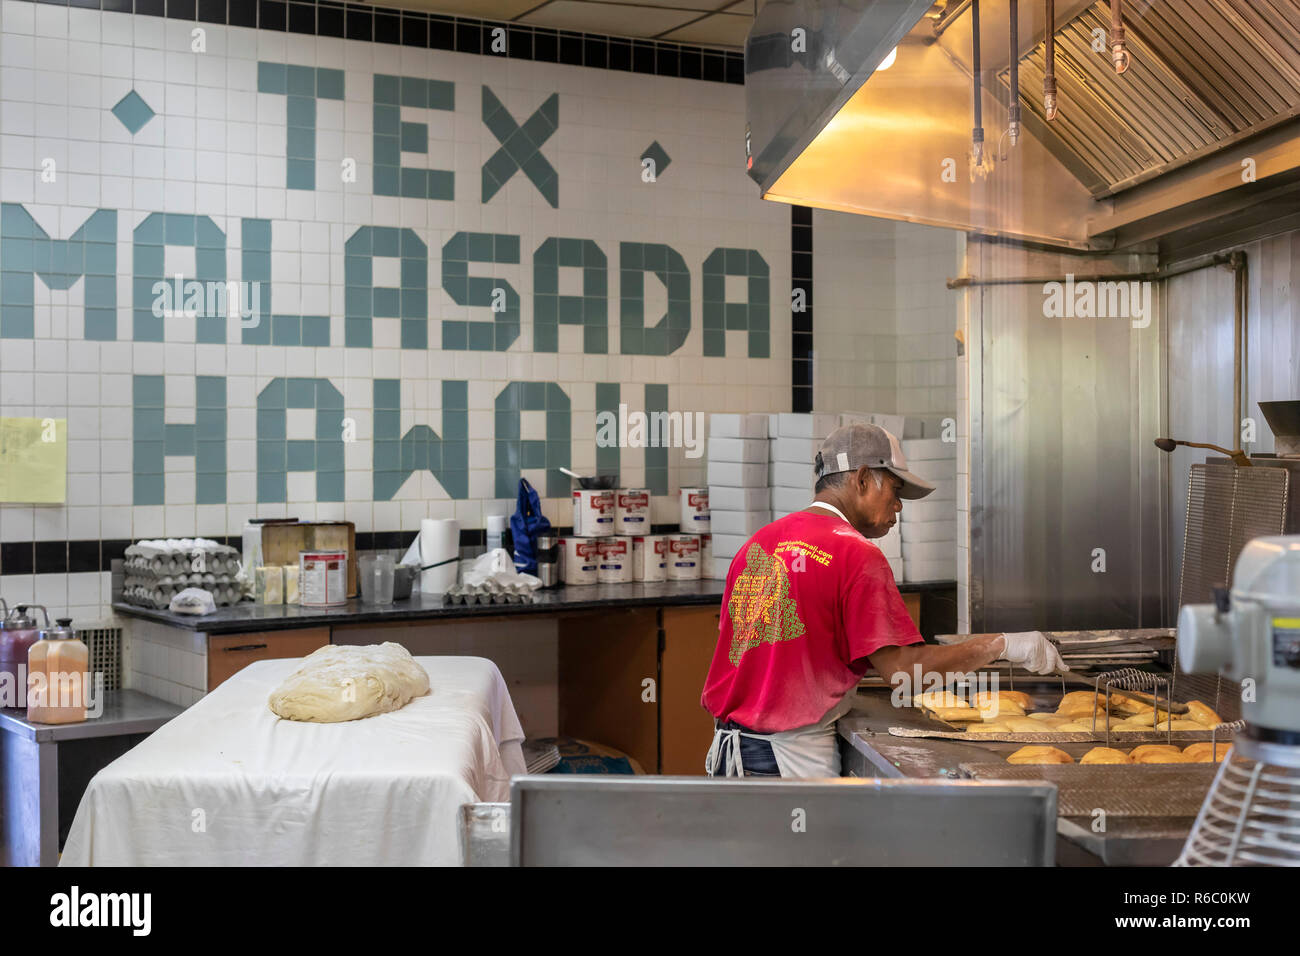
(686, 728)
(605, 659)
(230, 653)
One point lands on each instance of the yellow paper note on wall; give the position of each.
(34, 460)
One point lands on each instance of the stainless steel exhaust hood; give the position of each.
(1201, 130)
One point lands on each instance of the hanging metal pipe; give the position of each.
(1238, 338)
(1013, 130)
(1049, 63)
(977, 134)
(1118, 53)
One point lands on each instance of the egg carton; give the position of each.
(490, 592)
(172, 556)
(161, 597)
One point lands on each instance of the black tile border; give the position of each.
(801, 323)
(356, 21)
(93, 555)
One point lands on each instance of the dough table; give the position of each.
(227, 783)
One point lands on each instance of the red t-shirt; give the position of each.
(807, 600)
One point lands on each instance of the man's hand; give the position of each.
(1033, 652)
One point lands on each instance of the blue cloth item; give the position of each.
(525, 525)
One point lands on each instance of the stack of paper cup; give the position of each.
(440, 545)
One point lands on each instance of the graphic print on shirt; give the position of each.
(761, 609)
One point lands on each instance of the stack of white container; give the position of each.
(796, 438)
(929, 526)
(739, 498)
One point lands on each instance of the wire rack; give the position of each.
(1251, 816)
(1130, 678)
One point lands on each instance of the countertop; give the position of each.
(247, 616)
(425, 607)
(125, 712)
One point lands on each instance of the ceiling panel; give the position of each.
(479, 9)
(615, 19)
(720, 29)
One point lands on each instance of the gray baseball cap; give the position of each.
(850, 447)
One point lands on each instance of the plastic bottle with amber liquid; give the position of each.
(58, 676)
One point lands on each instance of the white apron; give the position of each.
(810, 752)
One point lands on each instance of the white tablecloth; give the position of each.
(229, 783)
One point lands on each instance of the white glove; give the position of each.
(1033, 652)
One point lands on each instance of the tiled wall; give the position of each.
(454, 254)
(885, 317)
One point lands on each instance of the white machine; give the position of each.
(1251, 816)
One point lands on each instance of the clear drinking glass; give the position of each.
(377, 579)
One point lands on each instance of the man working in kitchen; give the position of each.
(810, 604)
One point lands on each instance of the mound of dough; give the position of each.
(1073, 727)
(1036, 753)
(343, 682)
(1201, 752)
(1105, 755)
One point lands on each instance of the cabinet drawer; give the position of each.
(231, 653)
